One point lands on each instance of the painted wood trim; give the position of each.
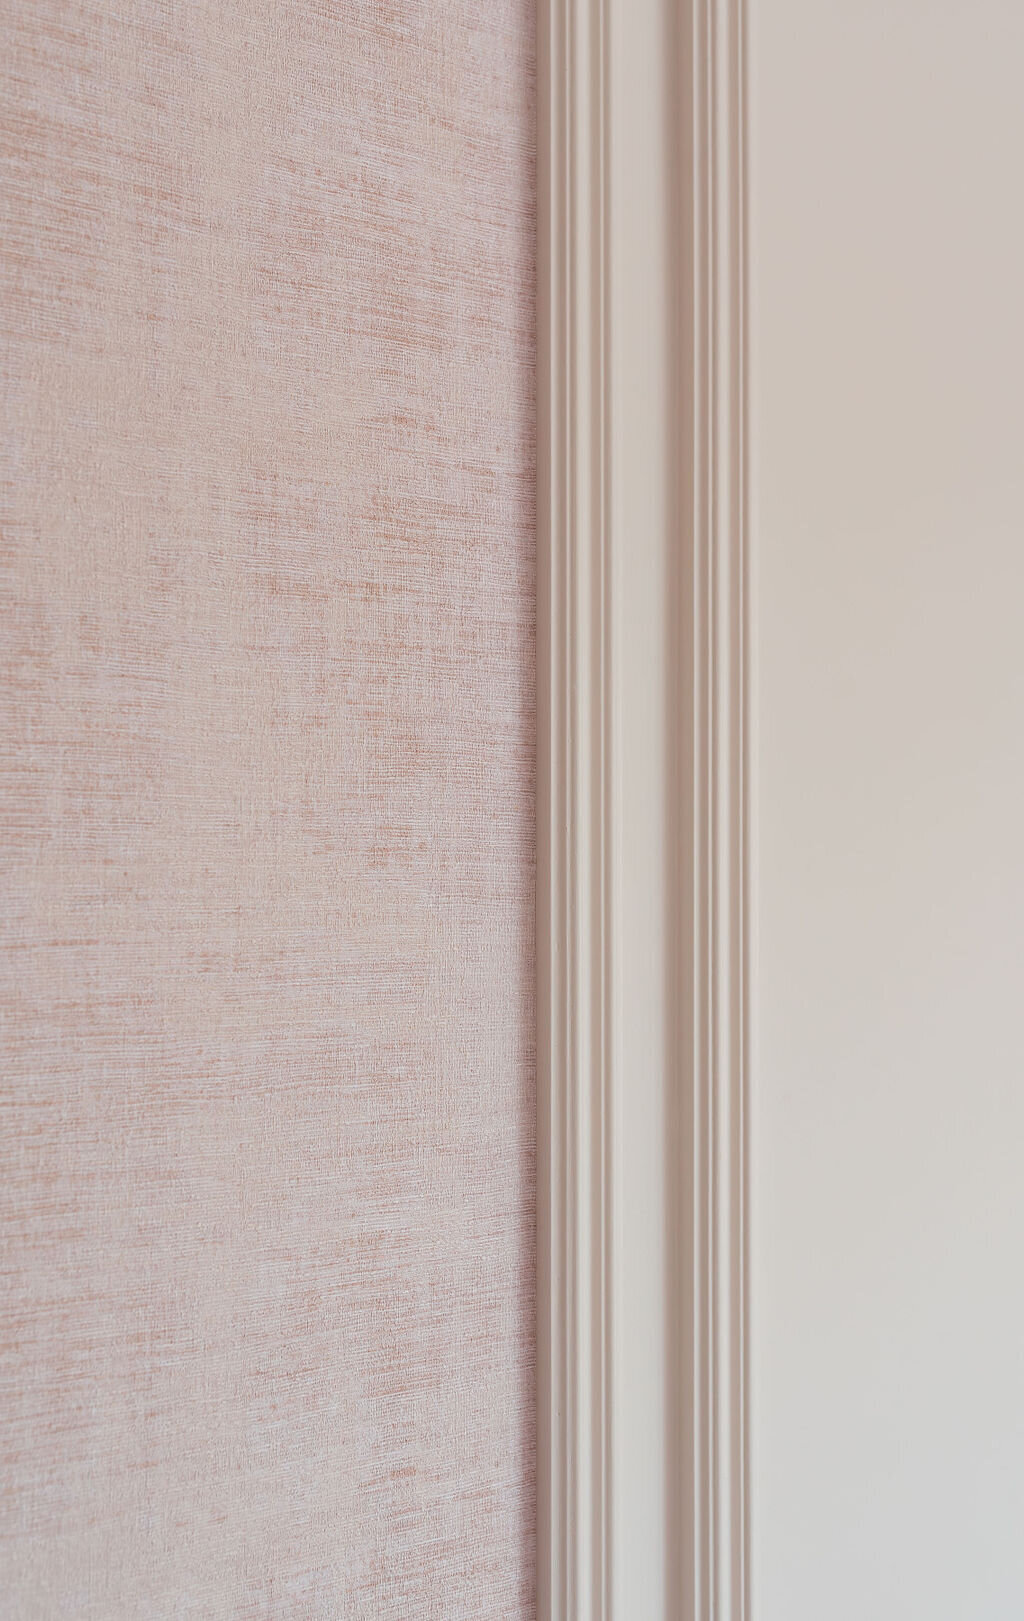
(573, 747)
(643, 819)
(721, 790)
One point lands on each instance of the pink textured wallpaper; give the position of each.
(266, 765)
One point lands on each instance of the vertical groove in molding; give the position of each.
(721, 633)
(602, 1210)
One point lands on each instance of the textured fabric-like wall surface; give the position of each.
(266, 763)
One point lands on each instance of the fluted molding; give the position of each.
(643, 819)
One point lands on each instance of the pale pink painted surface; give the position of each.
(266, 760)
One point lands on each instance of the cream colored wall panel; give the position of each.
(887, 261)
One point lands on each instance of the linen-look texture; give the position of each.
(266, 762)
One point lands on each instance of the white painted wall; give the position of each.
(887, 286)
